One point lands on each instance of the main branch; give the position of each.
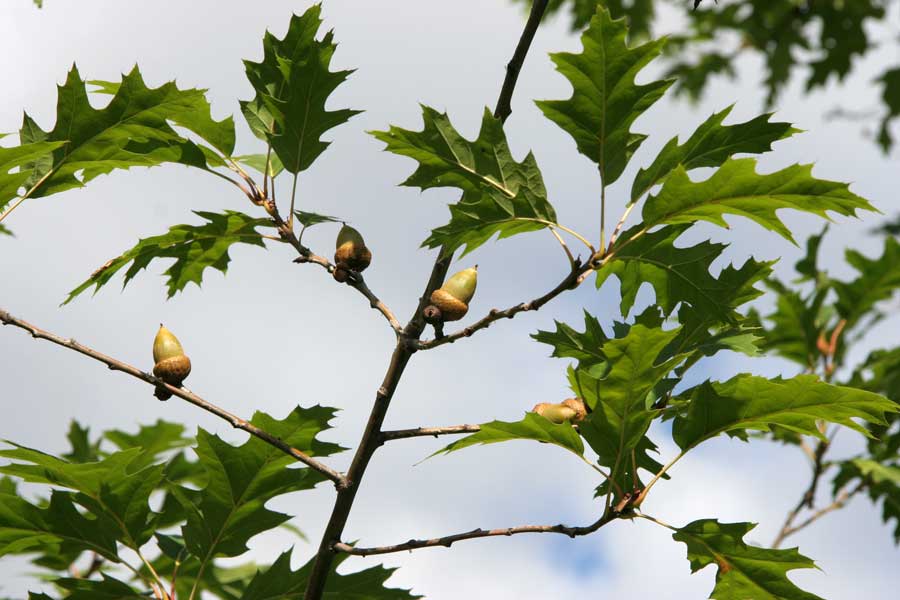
(235, 421)
(449, 540)
(407, 342)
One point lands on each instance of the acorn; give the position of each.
(451, 301)
(350, 250)
(572, 410)
(172, 365)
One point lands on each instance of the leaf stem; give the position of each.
(26, 195)
(643, 495)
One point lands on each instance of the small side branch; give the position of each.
(355, 281)
(402, 434)
(504, 107)
(809, 496)
(571, 281)
(449, 540)
(235, 421)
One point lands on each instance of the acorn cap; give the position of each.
(350, 250)
(173, 370)
(166, 345)
(556, 413)
(450, 308)
(576, 404)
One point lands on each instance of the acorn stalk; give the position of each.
(171, 363)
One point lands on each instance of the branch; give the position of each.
(401, 434)
(571, 280)
(235, 421)
(839, 502)
(407, 344)
(808, 497)
(504, 109)
(449, 540)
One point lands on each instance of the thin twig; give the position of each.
(402, 434)
(235, 421)
(504, 107)
(565, 248)
(570, 281)
(839, 502)
(449, 540)
(809, 496)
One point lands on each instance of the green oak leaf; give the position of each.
(4, 230)
(259, 161)
(55, 529)
(711, 145)
(747, 402)
(279, 582)
(500, 195)
(605, 99)
(532, 427)
(83, 448)
(115, 489)
(881, 481)
(133, 130)
(796, 323)
(194, 248)
(878, 280)
(584, 346)
(808, 266)
(891, 98)
(681, 274)
(108, 588)
(737, 189)
(293, 83)
(15, 165)
(618, 394)
(744, 571)
(230, 509)
(308, 219)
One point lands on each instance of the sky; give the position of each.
(272, 334)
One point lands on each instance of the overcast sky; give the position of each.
(272, 334)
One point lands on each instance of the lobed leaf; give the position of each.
(500, 196)
(532, 427)
(293, 83)
(680, 274)
(279, 582)
(878, 280)
(194, 248)
(737, 189)
(710, 146)
(133, 130)
(605, 99)
(748, 402)
(743, 571)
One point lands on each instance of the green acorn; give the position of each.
(172, 365)
(350, 250)
(451, 301)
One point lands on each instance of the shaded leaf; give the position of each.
(500, 196)
(744, 571)
(279, 582)
(194, 248)
(878, 280)
(14, 167)
(242, 479)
